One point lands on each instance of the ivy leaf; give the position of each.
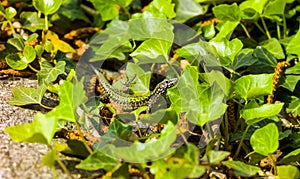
(48, 73)
(17, 42)
(215, 157)
(15, 61)
(142, 152)
(47, 6)
(294, 45)
(152, 51)
(242, 169)
(288, 171)
(120, 130)
(41, 130)
(108, 9)
(187, 9)
(294, 106)
(162, 7)
(258, 6)
(24, 96)
(225, 30)
(275, 7)
(265, 140)
(58, 44)
(273, 46)
(227, 50)
(290, 82)
(10, 12)
(244, 58)
(225, 12)
(293, 70)
(98, 160)
(201, 103)
(252, 86)
(253, 113)
(31, 21)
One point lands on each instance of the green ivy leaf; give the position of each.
(10, 12)
(253, 113)
(227, 50)
(242, 169)
(31, 21)
(152, 51)
(14, 61)
(275, 7)
(225, 30)
(120, 130)
(265, 140)
(244, 58)
(288, 171)
(294, 106)
(162, 7)
(98, 160)
(209, 31)
(24, 96)
(294, 45)
(252, 86)
(48, 73)
(49, 158)
(201, 103)
(291, 157)
(187, 9)
(273, 46)
(29, 54)
(107, 9)
(293, 70)
(17, 42)
(258, 6)
(41, 130)
(151, 28)
(225, 12)
(143, 152)
(47, 7)
(72, 10)
(290, 82)
(215, 157)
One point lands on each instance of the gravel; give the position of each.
(23, 160)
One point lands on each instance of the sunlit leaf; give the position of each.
(47, 6)
(288, 171)
(290, 82)
(265, 140)
(201, 103)
(258, 6)
(252, 86)
(41, 130)
(31, 21)
(17, 42)
(152, 51)
(225, 30)
(10, 12)
(242, 169)
(225, 12)
(25, 96)
(253, 113)
(227, 50)
(215, 157)
(294, 45)
(143, 152)
(48, 73)
(187, 9)
(98, 161)
(273, 46)
(275, 7)
(293, 70)
(294, 106)
(57, 43)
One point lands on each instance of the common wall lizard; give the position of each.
(131, 102)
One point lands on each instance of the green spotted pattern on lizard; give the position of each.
(131, 102)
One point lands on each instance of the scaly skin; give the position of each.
(131, 102)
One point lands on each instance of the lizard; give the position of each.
(132, 102)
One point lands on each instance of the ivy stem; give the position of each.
(241, 142)
(226, 134)
(46, 107)
(273, 164)
(82, 137)
(278, 31)
(265, 27)
(284, 26)
(46, 22)
(259, 27)
(12, 27)
(62, 165)
(32, 68)
(245, 30)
